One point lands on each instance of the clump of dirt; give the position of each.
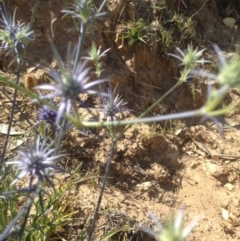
(157, 168)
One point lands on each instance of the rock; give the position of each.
(229, 186)
(225, 213)
(219, 172)
(229, 22)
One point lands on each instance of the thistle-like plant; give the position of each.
(113, 104)
(228, 77)
(174, 231)
(95, 55)
(229, 74)
(189, 58)
(83, 10)
(38, 163)
(14, 33)
(14, 36)
(70, 83)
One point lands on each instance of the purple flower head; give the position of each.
(38, 163)
(47, 114)
(70, 83)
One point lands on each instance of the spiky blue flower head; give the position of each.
(113, 104)
(38, 163)
(70, 83)
(47, 114)
(14, 33)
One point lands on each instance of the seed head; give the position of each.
(30, 81)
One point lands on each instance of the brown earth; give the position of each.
(156, 167)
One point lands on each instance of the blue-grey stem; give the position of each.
(102, 5)
(80, 44)
(13, 192)
(11, 114)
(187, 114)
(13, 223)
(61, 136)
(102, 190)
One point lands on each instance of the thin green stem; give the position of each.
(182, 79)
(160, 100)
(220, 112)
(155, 104)
(187, 114)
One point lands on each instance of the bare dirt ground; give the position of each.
(156, 167)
